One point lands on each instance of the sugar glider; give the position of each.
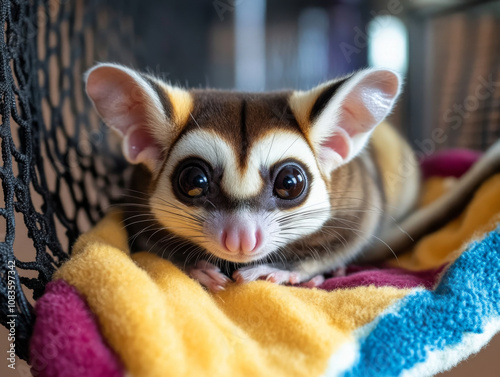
(282, 186)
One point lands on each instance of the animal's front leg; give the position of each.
(277, 274)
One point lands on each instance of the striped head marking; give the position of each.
(241, 175)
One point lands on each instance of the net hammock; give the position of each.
(59, 169)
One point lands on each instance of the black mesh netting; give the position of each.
(52, 182)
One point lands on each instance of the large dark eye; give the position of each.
(193, 181)
(290, 182)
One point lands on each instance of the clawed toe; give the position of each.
(314, 282)
(208, 275)
(266, 272)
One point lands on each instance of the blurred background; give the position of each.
(447, 51)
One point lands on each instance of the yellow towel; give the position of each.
(445, 245)
(159, 320)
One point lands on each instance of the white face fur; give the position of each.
(244, 184)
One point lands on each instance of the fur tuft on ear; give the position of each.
(342, 114)
(137, 106)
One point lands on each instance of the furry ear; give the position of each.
(137, 107)
(343, 114)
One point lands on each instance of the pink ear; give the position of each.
(359, 105)
(127, 103)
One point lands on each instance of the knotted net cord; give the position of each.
(59, 171)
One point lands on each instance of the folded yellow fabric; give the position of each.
(445, 245)
(158, 319)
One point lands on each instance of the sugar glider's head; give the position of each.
(241, 174)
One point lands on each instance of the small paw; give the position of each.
(316, 281)
(266, 272)
(208, 275)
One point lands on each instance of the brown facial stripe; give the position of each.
(324, 97)
(218, 199)
(244, 137)
(240, 118)
(165, 102)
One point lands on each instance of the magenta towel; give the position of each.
(66, 341)
(449, 163)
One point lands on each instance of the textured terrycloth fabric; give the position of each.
(66, 340)
(429, 331)
(415, 317)
(445, 245)
(449, 163)
(157, 319)
(382, 276)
